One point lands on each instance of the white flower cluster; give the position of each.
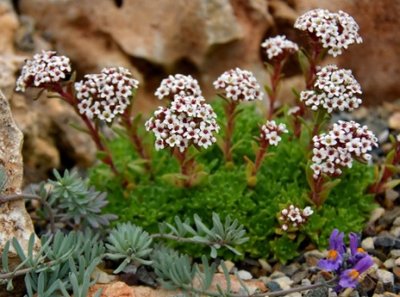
(335, 31)
(178, 84)
(336, 149)
(294, 217)
(279, 46)
(271, 132)
(334, 89)
(239, 85)
(107, 94)
(187, 120)
(44, 68)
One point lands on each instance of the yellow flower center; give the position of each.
(332, 254)
(360, 250)
(354, 274)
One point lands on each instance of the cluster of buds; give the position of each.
(349, 267)
(335, 31)
(187, 120)
(107, 94)
(334, 89)
(336, 149)
(239, 85)
(178, 84)
(271, 132)
(279, 47)
(293, 217)
(43, 69)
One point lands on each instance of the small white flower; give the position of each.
(178, 84)
(188, 120)
(271, 132)
(43, 68)
(329, 91)
(336, 149)
(279, 46)
(335, 31)
(239, 85)
(107, 94)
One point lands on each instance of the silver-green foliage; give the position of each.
(221, 234)
(130, 243)
(63, 263)
(75, 203)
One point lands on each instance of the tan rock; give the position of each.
(394, 121)
(14, 219)
(117, 289)
(120, 289)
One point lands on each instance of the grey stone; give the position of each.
(244, 275)
(273, 286)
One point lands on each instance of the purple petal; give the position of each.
(353, 243)
(364, 264)
(349, 278)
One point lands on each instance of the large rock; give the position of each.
(14, 219)
(375, 62)
(50, 141)
(203, 38)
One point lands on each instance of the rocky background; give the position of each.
(155, 38)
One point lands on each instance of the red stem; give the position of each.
(135, 138)
(260, 156)
(275, 78)
(316, 191)
(230, 115)
(186, 166)
(313, 61)
(68, 97)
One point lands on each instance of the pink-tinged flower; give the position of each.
(294, 217)
(335, 31)
(350, 277)
(178, 84)
(107, 94)
(187, 120)
(44, 68)
(271, 132)
(334, 90)
(335, 254)
(279, 47)
(337, 149)
(239, 85)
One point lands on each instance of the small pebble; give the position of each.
(384, 242)
(229, 266)
(395, 253)
(389, 263)
(284, 282)
(386, 277)
(376, 214)
(265, 265)
(391, 194)
(397, 262)
(273, 286)
(396, 222)
(244, 275)
(368, 243)
(395, 231)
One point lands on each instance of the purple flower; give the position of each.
(357, 253)
(335, 254)
(350, 277)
